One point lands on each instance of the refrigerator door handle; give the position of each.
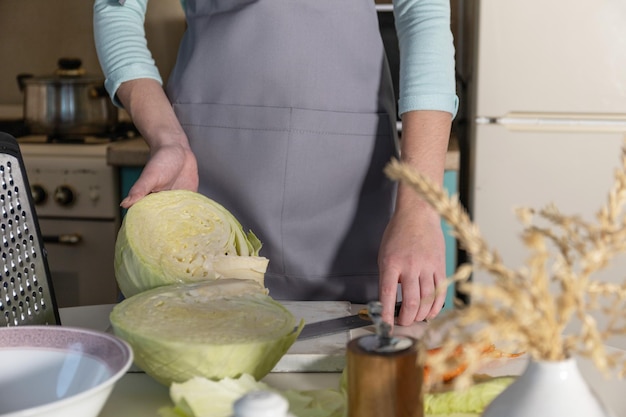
(574, 122)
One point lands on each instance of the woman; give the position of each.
(283, 111)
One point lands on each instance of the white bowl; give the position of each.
(58, 371)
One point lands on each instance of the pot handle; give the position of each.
(98, 92)
(20, 80)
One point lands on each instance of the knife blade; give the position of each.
(333, 326)
(337, 325)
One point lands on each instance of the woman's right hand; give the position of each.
(169, 167)
(172, 164)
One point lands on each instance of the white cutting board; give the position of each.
(321, 354)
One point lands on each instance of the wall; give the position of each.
(34, 34)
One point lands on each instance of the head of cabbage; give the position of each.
(181, 236)
(212, 329)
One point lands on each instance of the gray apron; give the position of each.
(289, 108)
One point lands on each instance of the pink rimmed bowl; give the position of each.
(57, 371)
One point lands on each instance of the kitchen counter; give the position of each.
(138, 395)
(135, 153)
(128, 153)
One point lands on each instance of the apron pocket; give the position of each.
(241, 152)
(337, 198)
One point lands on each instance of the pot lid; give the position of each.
(69, 70)
(70, 67)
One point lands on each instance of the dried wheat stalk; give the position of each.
(529, 309)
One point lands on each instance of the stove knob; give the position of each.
(94, 194)
(64, 195)
(39, 194)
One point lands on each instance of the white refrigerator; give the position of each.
(548, 113)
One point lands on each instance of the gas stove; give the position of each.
(70, 180)
(69, 176)
(13, 123)
(76, 196)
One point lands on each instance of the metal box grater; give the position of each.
(26, 293)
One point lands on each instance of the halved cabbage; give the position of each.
(180, 236)
(212, 329)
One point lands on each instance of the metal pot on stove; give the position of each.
(67, 103)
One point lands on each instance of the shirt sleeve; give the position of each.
(427, 64)
(121, 43)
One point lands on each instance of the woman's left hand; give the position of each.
(412, 251)
(413, 254)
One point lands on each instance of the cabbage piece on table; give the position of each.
(181, 236)
(470, 401)
(212, 329)
(200, 397)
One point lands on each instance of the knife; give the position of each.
(337, 325)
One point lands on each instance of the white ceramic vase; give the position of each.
(548, 389)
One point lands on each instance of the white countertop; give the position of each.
(138, 395)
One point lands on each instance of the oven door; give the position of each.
(80, 258)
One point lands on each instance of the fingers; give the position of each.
(127, 202)
(426, 296)
(140, 189)
(410, 302)
(168, 168)
(422, 298)
(441, 293)
(131, 199)
(388, 295)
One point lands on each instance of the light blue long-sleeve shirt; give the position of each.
(427, 77)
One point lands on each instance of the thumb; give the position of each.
(138, 191)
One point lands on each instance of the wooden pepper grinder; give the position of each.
(384, 378)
